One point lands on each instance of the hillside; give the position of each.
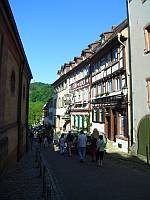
(39, 94)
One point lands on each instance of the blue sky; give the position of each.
(53, 32)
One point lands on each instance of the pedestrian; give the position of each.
(55, 141)
(69, 140)
(100, 150)
(93, 142)
(52, 132)
(62, 144)
(45, 141)
(40, 140)
(82, 140)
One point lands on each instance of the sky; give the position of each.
(53, 32)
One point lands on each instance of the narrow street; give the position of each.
(117, 179)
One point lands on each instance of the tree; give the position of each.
(39, 94)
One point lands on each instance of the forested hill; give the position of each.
(39, 94)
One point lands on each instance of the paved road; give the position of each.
(115, 180)
(22, 182)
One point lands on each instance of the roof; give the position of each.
(98, 47)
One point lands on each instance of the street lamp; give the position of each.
(124, 90)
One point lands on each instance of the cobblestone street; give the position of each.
(118, 179)
(23, 181)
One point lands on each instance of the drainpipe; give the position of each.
(119, 35)
(129, 91)
(130, 77)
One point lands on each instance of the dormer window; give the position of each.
(143, 1)
(102, 39)
(147, 39)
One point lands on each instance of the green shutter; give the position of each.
(83, 122)
(78, 121)
(74, 121)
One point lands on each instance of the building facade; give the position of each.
(109, 95)
(15, 78)
(97, 89)
(139, 32)
(61, 100)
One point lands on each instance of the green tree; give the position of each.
(39, 94)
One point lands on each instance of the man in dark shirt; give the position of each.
(69, 140)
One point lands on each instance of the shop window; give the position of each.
(147, 39)
(12, 82)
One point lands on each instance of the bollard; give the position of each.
(44, 182)
(36, 155)
(49, 192)
(40, 165)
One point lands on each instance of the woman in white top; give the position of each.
(100, 150)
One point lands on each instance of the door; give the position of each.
(144, 136)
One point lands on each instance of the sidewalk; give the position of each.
(128, 160)
(23, 181)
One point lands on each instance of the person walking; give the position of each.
(62, 144)
(69, 140)
(100, 150)
(82, 140)
(93, 148)
(45, 141)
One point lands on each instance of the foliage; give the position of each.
(39, 94)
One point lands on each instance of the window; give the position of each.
(98, 115)
(147, 39)
(94, 115)
(12, 82)
(110, 85)
(148, 92)
(59, 102)
(101, 115)
(115, 55)
(62, 103)
(118, 83)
